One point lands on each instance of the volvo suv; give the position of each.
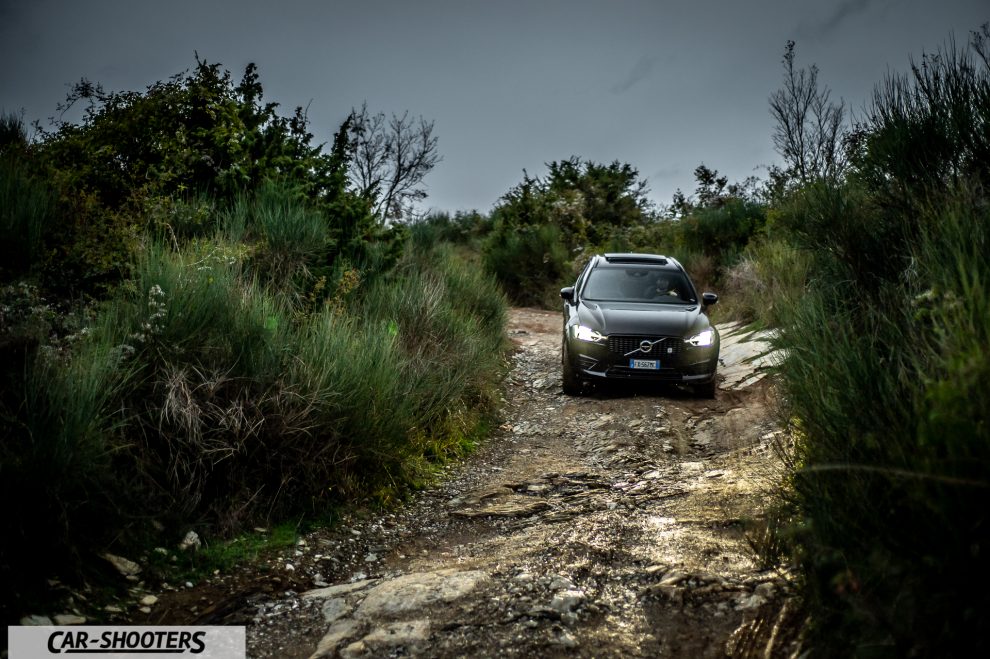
(637, 317)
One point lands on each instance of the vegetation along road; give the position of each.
(209, 346)
(612, 524)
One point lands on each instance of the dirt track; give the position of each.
(607, 525)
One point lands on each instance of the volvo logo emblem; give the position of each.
(644, 346)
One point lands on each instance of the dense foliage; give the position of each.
(160, 160)
(544, 229)
(203, 325)
(887, 370)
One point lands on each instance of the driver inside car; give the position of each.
(662, 287)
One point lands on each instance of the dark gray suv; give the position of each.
(637, 317)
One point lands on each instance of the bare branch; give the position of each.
(809, 131)
(391, 159)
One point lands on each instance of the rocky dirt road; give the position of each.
(612, 524)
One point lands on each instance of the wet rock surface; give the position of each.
(611, 524)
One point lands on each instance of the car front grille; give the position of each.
(667, 348)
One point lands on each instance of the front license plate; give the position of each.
(651, 364)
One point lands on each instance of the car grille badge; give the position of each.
(645, 346)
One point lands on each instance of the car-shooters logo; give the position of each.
(146, 642)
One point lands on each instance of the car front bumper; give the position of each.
(679, 362)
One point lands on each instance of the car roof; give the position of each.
(645, 259)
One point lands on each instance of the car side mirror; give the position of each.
(567, 293)
(708, 298)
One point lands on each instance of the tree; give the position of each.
(195, 132)
(711, 186)
(712, 192)
(602, 197)
(809, 129)
(134, 155)
(391, 158)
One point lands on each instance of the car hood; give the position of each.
(642, 318)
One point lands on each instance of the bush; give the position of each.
(540, 224)
(27, 210)
(461, 229)
(925, 132)
(244, 361)
(288, 236)
(55, 460)
(432, 344)
(528, 261)
(721, 232)
(765, 284)
(199, 398)
(886, 377)
(894, 451)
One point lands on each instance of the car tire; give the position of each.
(706, 390)
(570, 380)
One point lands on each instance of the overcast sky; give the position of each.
(663, 85)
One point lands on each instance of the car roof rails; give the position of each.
(659, 259)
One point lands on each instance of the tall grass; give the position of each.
(529, 261)
(886, 374)
(288, 233)
(762, 287)
(56, 463)
(447, 320)
(893, 454)
(27, 209)
(199, 398)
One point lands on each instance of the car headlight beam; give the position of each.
(582, 333)
(702, 339)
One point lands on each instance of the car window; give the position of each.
(580, 279)
(638, 284)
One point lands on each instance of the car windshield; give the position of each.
(638, 283)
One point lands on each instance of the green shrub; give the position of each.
(398, 381)
(27, 211)
(528, 261)
(461, 228)
(765, 283)
(180, 220)
(539, 225)
(925, 132)
(281, 217)
(886, 372)
(199, 397)
(722, 232)
(894, 451)
(289, 236)
(649, 237)
(852, 237)
(194, 306)
(55, 461)
(886, 376)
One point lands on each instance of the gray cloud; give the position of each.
(841, 13)
(659, 85)
(639, 72)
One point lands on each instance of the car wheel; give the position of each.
(571, 381)
(706, 390)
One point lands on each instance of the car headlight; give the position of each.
(582, 333)
(703, 339)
